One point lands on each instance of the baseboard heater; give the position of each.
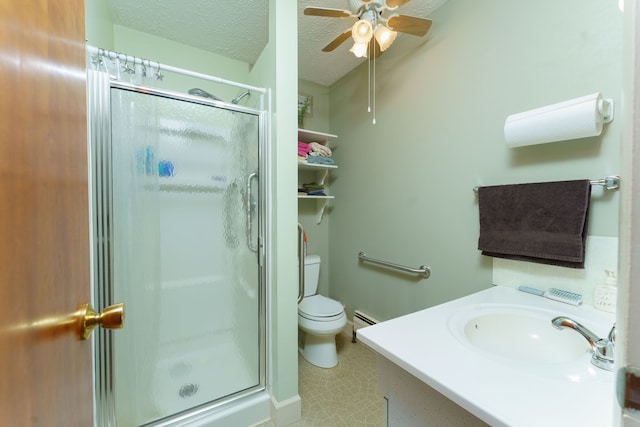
(360, 320)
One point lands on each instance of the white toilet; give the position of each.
(321, 318)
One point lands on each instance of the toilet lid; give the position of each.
(320, 306)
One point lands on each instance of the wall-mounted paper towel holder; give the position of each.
(573, 119)
(605, 107)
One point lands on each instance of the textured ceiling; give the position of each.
(238, 29)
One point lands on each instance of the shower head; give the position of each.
(203, 93)
(239, 97)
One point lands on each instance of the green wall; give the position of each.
(142, 45)
(98, 24)
(276, 69)
(319, 120)
(404, 186)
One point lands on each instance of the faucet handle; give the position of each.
(612, 334)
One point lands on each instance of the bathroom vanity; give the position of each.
(494, 358)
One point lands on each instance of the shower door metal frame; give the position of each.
(100, 168)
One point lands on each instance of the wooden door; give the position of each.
(628, 316)
(45, 371)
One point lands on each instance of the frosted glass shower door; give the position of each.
(185, 216)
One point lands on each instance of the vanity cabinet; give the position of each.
(409, 402)
(318, 173)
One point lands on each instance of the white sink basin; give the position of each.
(523, 338)
(524, 335)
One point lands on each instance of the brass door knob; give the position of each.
(112, 317)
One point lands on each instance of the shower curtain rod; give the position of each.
(155, 64)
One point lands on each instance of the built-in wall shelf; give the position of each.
(303, 165)
(300, 196)
(321, 170)
(306, 135)
(191, 184)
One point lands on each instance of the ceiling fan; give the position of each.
(373, 23)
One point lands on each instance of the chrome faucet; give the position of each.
(603, 348)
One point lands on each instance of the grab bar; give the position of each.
(300, 263)
(423, 270)
(611, 182)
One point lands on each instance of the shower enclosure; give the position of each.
(178, 219)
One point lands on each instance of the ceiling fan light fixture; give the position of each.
(373, 32)
(360, 49)
(362, 31)
(385, 37)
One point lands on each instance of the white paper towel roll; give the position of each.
(572, 119)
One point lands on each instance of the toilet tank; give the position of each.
(311, 274)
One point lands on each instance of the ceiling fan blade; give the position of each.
(392, 4)
(337, 41)
(409, 24)
(327, 12)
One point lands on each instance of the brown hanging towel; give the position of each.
(541, 222)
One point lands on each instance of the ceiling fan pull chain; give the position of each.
(374, 83)
(372, 52)
(369, 87)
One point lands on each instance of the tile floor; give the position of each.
(344, 396)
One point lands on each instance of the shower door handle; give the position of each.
(250, 245)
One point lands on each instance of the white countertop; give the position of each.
(497, 390)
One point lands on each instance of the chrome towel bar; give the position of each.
(423, 270)
(609, 183)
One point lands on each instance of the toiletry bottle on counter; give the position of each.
(604, 296)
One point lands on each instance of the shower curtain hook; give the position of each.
(159, 75)
(126, 68)
(96, 60)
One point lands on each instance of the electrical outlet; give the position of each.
(605, 299)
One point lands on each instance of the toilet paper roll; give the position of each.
(576, 118)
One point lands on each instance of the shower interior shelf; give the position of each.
(321, 171)
(190, 185)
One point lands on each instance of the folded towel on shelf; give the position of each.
(542, 222)
(319, 149)
(303, 149)
(311, 189)
(320, 160)
(312, 186)
(303, 146)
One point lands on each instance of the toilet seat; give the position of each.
(320, 308)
